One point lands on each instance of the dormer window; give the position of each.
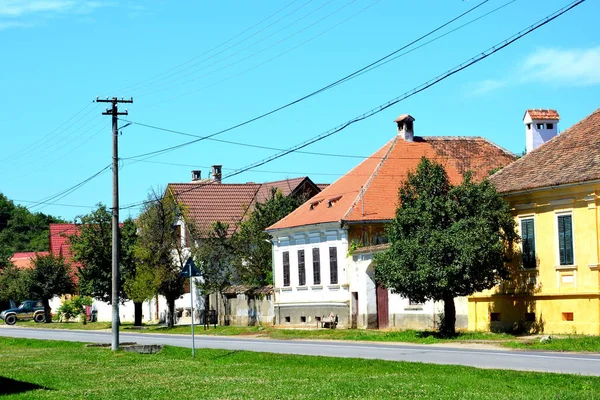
(333, 200)
(314, 204)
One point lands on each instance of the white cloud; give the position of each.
(556, 67)
(13, 24)
(17, 8)
(575, 67)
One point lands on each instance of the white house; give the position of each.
(323, 251)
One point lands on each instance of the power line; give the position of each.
(167, 85)
(40, 143)
(333, 84)
(483, 55)
(272, 58)
(63, 193)
(235, 44)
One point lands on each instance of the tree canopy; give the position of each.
(92, 247)
(160, 249)
(22, 230)
(446, 240)
(253, 258)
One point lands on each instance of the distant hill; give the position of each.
(22, 230)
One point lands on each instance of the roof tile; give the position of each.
(570, 157)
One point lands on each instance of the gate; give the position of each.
(383, 316)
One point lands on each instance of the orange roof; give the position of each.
(542, 113)
(369, 192)
(571, 157)
(59, 239)
(23, 260)
(230, 202)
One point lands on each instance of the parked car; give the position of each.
(29, 309)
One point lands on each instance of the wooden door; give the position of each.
(383, 318)
(354, 310)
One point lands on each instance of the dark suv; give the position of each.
(29, 309)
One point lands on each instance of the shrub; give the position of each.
(73, 308)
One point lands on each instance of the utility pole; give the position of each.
(115, 213)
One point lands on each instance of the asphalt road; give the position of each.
(571, 363)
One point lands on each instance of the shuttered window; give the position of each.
(333, 268)
(316, 259)
(286, 268)
(301, 268)
(528, 242)
(565, 239)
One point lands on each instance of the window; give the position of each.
(565, 239)
(333, 270)
(495, 316)
(528, 243)
(528, 126)
(316, 258)
(286, 268)
(567, 316)
(549, 126)
(303, 319)
(530, 317)
(301, 269)
(539, 126)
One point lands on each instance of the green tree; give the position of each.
(92, 248)
(22, 230)
(446, 241)
(159, 247)
(13, 285)
(49, 277)
(214, 258)
(253, 258)
(129, 267)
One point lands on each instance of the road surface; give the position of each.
(571, 363)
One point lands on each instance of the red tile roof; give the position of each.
(23, 260)
(59, 240)
(571, 157)
(381, 175)
(542, 113)
(230, 202)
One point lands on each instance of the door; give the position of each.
(383, 317)
(354, 310)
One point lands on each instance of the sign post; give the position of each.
(189, 271)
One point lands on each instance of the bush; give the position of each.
(73, 308)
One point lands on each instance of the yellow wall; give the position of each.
(551, 289)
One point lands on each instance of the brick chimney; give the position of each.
(216, 173)
(196, 175)
(541, 125)
(405, 127)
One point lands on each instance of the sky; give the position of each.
(199, 67)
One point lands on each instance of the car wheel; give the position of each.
(10, 319)
(39, 317)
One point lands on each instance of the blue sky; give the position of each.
(199, 67)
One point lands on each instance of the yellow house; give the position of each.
(553, 193)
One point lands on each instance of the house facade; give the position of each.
(553, 193)
(206, 201)
(323, 251)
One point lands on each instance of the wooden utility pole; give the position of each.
(115, 213)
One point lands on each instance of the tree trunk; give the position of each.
(448, 327)
(171, 313)
(47, 311)
(137, 311)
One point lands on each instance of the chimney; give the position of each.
(405, 127)
(196, 175)
(541, 125)
(216, 173)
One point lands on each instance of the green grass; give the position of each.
(570, 343)
(70, 370)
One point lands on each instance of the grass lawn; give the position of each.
(64, 370)
(570, 343)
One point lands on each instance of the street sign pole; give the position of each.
(192, 310)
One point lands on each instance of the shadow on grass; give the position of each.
(436, 335)
(11, 386)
